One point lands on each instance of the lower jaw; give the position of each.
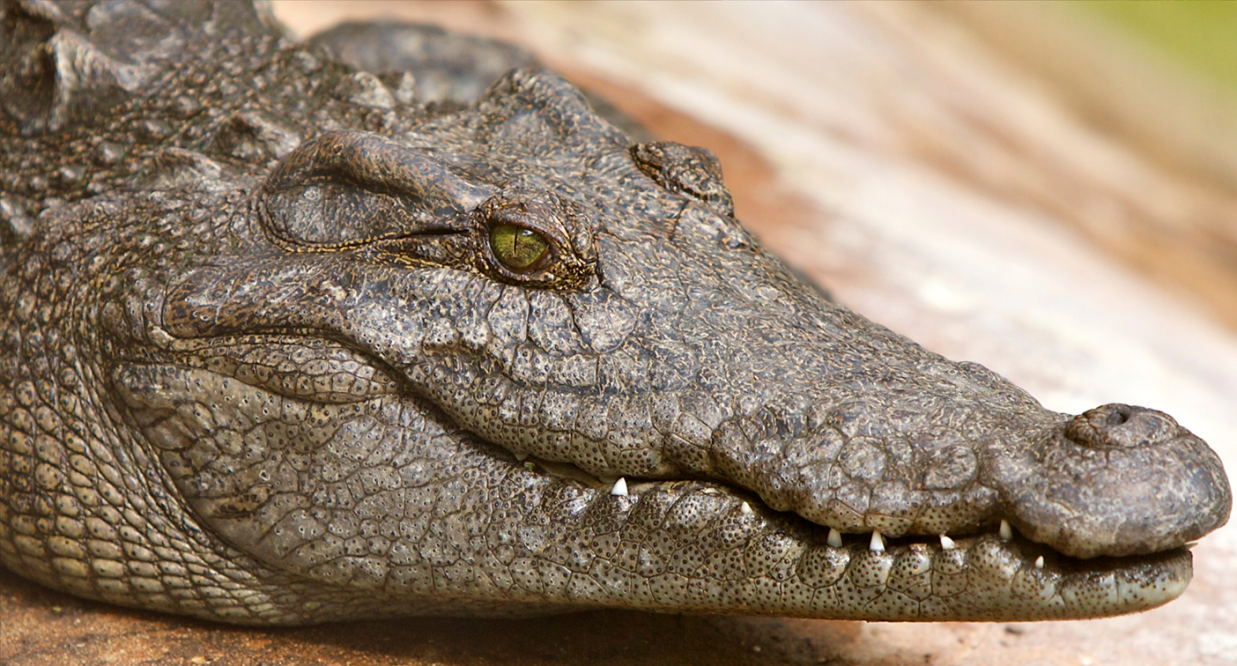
(986, 577)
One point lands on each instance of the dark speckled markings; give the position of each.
(283, 340)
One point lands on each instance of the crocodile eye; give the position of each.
(520, 249)
(529, 236)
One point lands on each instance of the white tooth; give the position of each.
(947, 543)
(1039, 562)
(835, 538)
(620, 488)
(878, 544)
(746, 509)
(521, 456)
(1006, 531)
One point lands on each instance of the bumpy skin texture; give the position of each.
(262, 363)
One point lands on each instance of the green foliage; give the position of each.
(1200, 34)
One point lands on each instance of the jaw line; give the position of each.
(634, 486)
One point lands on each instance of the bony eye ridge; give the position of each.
(518, 248)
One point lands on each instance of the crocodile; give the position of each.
(366, 326)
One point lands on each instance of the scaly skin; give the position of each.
(263, 363)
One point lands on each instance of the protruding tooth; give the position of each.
(620, 488)
(1006, 532)
(521, 457)
(878, 544)
(1039, 562)
(947, 543)
(746, 509)
(835, 538)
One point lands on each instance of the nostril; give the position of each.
(1115, 415)
(1121, 425)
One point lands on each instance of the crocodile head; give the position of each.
(500, 359)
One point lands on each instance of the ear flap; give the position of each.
(64, 62)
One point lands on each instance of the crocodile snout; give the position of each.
(1119, 480)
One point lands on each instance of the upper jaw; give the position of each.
(1115, 481)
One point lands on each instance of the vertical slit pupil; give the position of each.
(518, 248)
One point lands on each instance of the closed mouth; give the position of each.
(990, 574)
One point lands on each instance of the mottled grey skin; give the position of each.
(260, 363)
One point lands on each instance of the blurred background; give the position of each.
(1163, 71)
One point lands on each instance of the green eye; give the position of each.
(518, 248)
